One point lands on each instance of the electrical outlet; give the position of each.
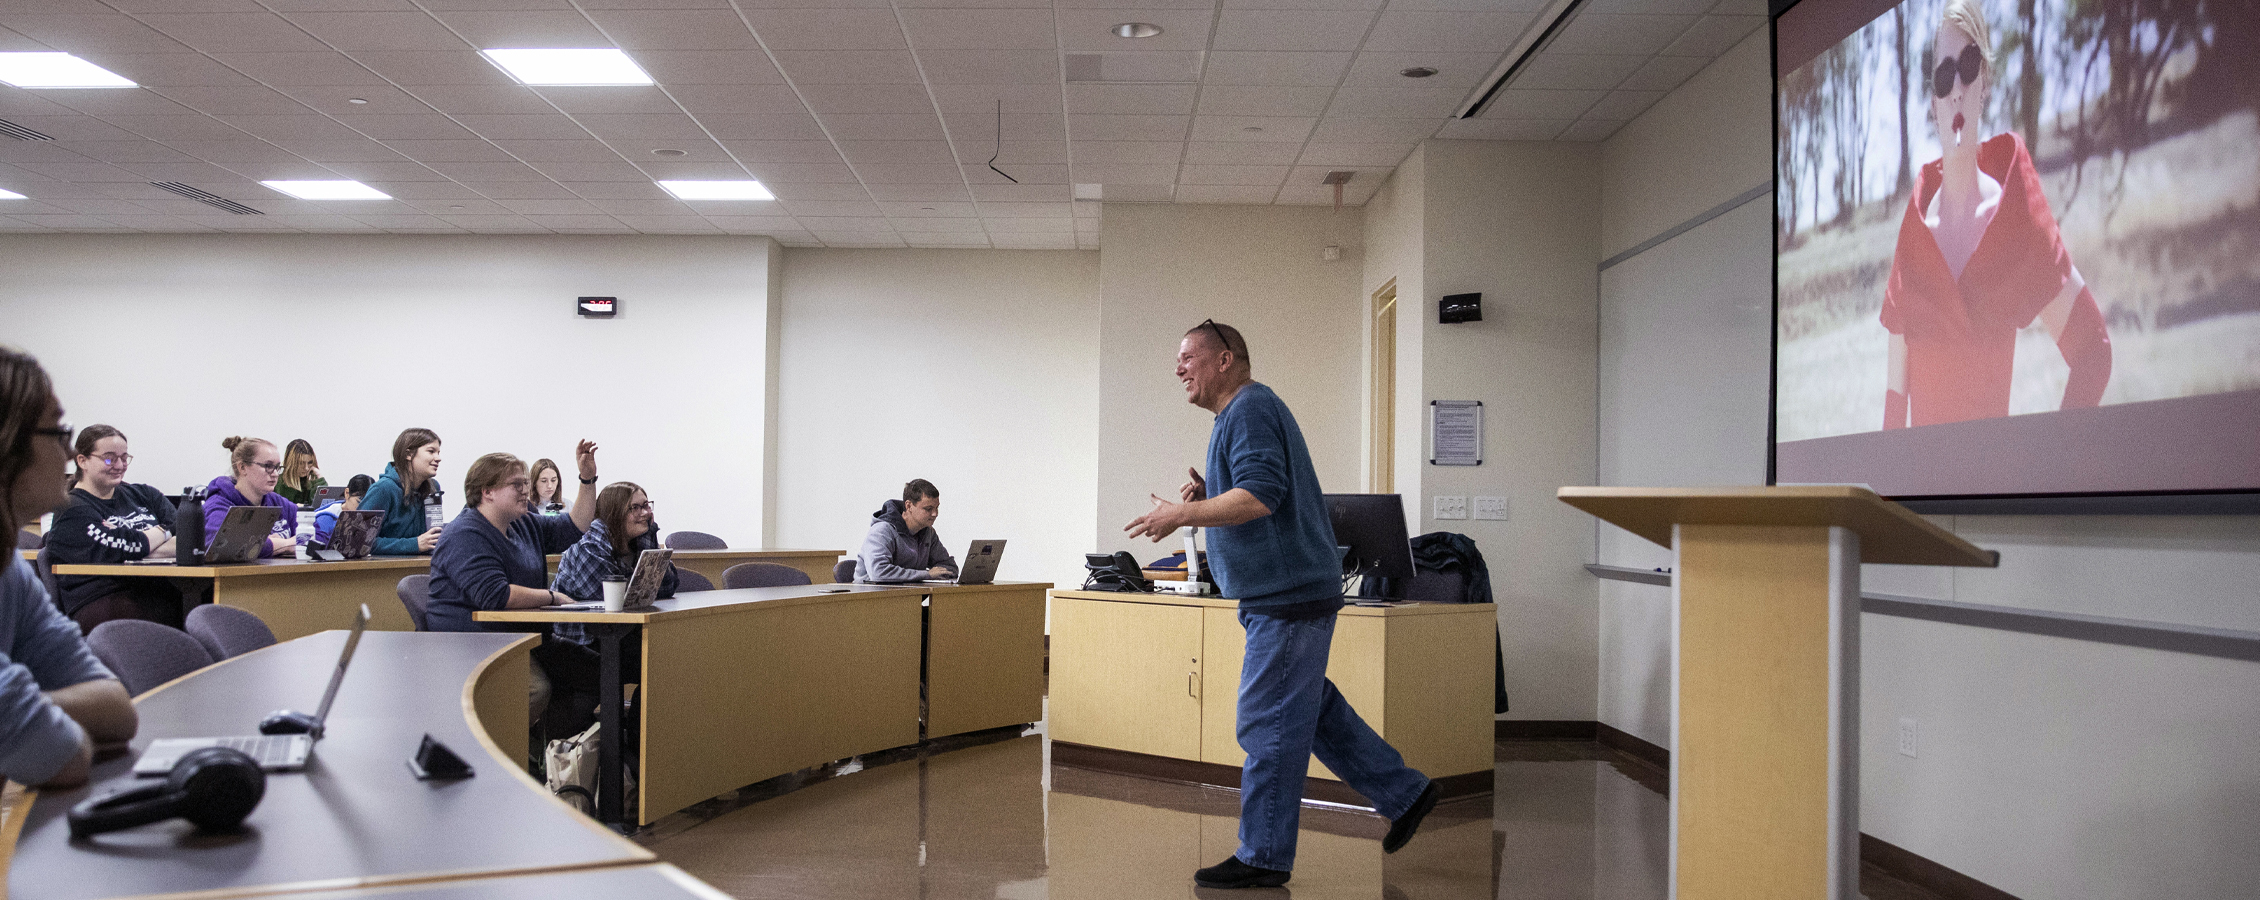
(1907, 738)
(1451, 507)
(1491, 508)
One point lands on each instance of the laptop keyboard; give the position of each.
(269, 750)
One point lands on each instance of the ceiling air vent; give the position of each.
(206, 198)
(21, 133)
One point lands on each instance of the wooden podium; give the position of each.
(1765, 755)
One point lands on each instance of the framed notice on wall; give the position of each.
(1455, 432)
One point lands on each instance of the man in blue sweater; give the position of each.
(1271, 545)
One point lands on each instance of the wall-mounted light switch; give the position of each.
(1491, 508)
(1451, 507)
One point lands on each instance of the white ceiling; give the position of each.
(872, 120)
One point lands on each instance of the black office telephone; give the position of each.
(1116, 572)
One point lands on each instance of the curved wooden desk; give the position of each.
(295, 597)
(739, 686)
(356, 817)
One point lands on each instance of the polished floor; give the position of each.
(1568, 820)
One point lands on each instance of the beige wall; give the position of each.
(974, 369)
(1164, 269)
(2046, 767)
(1395, 221)
(1707, 141)
(1514, 222)
(181, 340)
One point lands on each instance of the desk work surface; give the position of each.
(260, 568)
(656, 881)
(703, 603)
(356, 816)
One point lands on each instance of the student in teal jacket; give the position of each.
(407, 486)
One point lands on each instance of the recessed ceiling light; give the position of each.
(357, 101)
(717, 190)
(57, 70)
(1136, 30)
(6, 194)
(1417, 72)
(568, 67)
(1253, 128)
(328, 190)
(668, 152)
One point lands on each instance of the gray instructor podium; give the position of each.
(1765, 761)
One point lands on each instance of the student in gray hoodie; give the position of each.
(901, 544)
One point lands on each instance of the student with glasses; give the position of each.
(492, 555)
(60, 708)
(107, 522)
(622, 510)
(257, 465)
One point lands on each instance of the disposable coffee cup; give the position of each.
(615, 594)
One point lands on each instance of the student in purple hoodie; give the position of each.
(257, 465)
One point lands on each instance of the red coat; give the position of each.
(1962, 335)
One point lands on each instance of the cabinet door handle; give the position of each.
(1193, 684)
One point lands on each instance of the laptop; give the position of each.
(980, 565)
(643, 584)
(241, 533)
(355, 532)
(275, 752)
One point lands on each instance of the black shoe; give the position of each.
(1401, 830)
(1232, 873)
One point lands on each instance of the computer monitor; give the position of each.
(1372, 527)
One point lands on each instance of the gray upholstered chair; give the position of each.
(415, 593)
(145, 654)
(844, 570)
(26, 540)
(228, 632)
(694, 540)
(761, 574)
(687, 581)
(43, 566)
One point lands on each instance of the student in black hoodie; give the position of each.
(109, 521)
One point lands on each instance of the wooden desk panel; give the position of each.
(296, 597)
(1414, 673)
(356, 817)
(743, 685)
(984, 656)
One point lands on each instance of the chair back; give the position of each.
(761, 574)
(145, 654)
(43, 566)
(687, 581)
(415, 593)
(28, 540)
(844, 570)
(227, 632)
(694, 540)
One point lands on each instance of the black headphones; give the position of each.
(213, 787)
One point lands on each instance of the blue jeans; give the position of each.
(1288, 711)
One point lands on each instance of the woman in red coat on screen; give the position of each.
(1979, 257)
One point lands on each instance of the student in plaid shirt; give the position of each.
(621, 508)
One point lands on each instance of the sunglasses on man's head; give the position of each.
(1969, 64)
(1221, 341)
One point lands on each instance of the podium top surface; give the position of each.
(1889, 532)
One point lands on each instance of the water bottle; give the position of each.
(188, 529)
(435, 509)
(305, 534)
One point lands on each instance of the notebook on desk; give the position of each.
(274, 752)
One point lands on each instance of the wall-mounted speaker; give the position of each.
(1457, 308)
(599, 307)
